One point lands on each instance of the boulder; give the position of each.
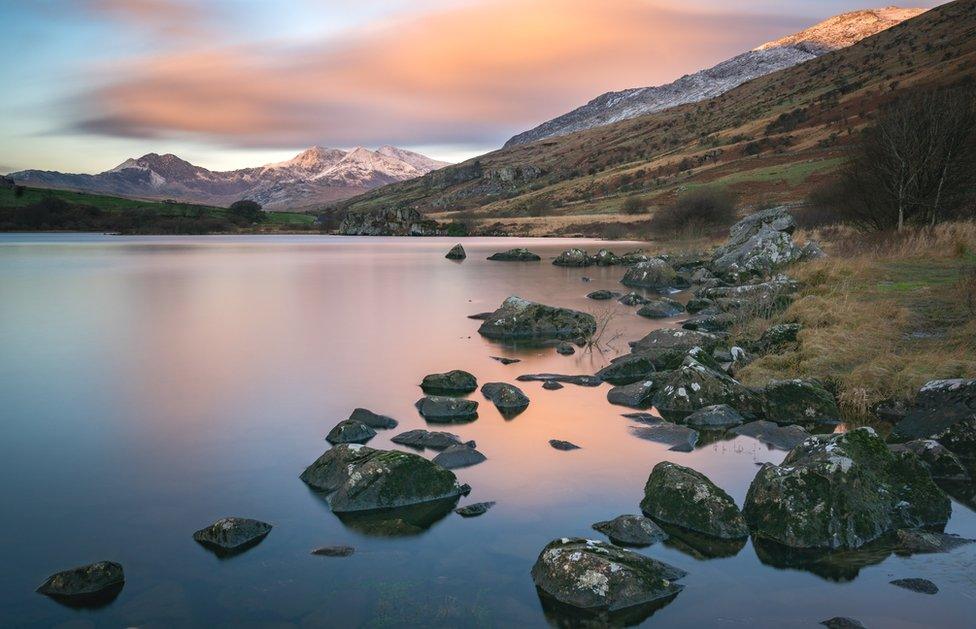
(520, 319)
(507, 398)
(631, 530)
(582, 381)
(551, 385)
(605, 257)
(944, 410)
(456, 382)
(799, 401)
(440, 409)
(680, 438)
(714, 417)
(703, 322)
(563, 445)
(693, 386)
(842, 622)
(922, 586)
(654, 274)
(593, 575)
(661, 308)
(331, 470)
(459, 456)
(232, 534)
(636, 395)
(698, 304)
(633, 299)
(95, 583)
(681, 496)
(627, 369)
(573, 257)
(565, 349)
(759, 244)
(940, 461)
(473, 510)
(671, 339)
(631, 258)
(386, 479)
(602, 295)
(702, 275)
(350, 431)
(456, 253)
(427, 439)
(371, 419)
(515, 255)
(917, 541)
(334, 551)
(776, 338)
(773, 435)
(842, 491)
(776, 288)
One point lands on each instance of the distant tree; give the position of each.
(18, 191)
(247, 210)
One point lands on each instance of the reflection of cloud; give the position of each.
(468, 73)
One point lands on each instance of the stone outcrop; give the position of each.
(944, 410)
(391, 222)
(653, 274)
(521, 319)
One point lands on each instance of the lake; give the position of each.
(149, 385)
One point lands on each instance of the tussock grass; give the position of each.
(881, 315)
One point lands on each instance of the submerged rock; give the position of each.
(798, 401)
(684, 497)
(944, 410)
(456, 253)
(386, 479)
(565, 349)
(372, 419)
(445, 410)
(232, 534)
(916, 541)
(602, 295)
(459, 456)
(592, 575)
(941, 463)
(841, 622)
(350, 431)
(773, 435)
(335, 551)
(714, 417)
(506, 361)
(693, 386)
(515, 255)
(680, 438)
(452, 383)
(507, 398)
(520, 319)
(573, 257)
(922, 586)
(473, 510)
(842, 491)
(635, 395)
(433, 440)
(631, 530)
(582, 381)
(563, 445)
(661, 309)
(94, 584)
(654, 274)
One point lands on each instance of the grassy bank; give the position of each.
(881, 315)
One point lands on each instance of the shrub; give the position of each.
(634, 205)
(698, 212)
(248, 211)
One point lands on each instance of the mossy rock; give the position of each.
(573, 258)
(332, 469)
(681, 496)
(520, 319)
(694, 386)
(654, 274)
(389, 478)
(455, 382)
(799, 402)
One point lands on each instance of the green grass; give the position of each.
(789, 174)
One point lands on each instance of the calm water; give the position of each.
(150, 385)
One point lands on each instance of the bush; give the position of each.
(634, 205)
(248, 211)
(699, 212)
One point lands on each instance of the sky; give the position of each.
(232, 83)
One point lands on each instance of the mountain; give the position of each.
(772, 139)
(833, 34)
(312, 178)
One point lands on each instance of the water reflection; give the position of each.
(399, 522)
(561, 615)
(699, 546)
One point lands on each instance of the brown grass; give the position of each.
(883, 315)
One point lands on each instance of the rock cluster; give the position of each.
(521, 319)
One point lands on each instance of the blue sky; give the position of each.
(233, 83)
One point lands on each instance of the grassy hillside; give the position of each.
(772, 139)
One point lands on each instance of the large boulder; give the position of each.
(433, 440)
(681, 496)
(842, 491)
(654, 274)
(455, 382)
(445, 410)
(627, 369)
(97, 582)
(331, 470)
(385, 479)
(944, 410)
(940, 461)
(507, 398)
(573, 257)
(760, 244)
(605, 257)
(350, 431)
(661, 308)
(670, 339)
(593, 575)
(798, 402)
(520, 319)
(232, 534)
(636, 395)
(456, 253)
(693, 386)
(631, 530)
(515, 255)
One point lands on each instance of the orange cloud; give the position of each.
(477, 72)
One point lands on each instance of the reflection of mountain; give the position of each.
(399, 522)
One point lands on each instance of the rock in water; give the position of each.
(520, 319)
(631, 530)
(842, 491)
(917, 541)
(565, 348)
(636, 395)
(456, 382)
(228, 535)
(456, 253)
(563, 445)
(445, 410)
(507, 398)
(679, 495)
(774, 435)
(334, 551)
(942, 464)
(573, 257)
(840, 622)
(389, 222)
(628, 369)
(506, 361)
(350, 431)
(371, 419)
(94, 584)
(433, 440)
(678, 340)
(331, 470)
(922, 586)
(515, 255)
(694, 386)
(654, 274)
(633, 299)
(605, 257)
(944, 410)
(387, 479)
(473, 510)
(551, 385)
(602, 295)
(680, 438)
(593, 575)
(582, 381)
(661, 309)
(714, 417)
(459, 456)
(799, 401)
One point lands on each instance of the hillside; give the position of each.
(770, 139)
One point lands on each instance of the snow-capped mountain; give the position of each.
(832, 34)
(315, 176)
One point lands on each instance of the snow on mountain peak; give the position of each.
(845, 29)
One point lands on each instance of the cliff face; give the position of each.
(398, 222)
